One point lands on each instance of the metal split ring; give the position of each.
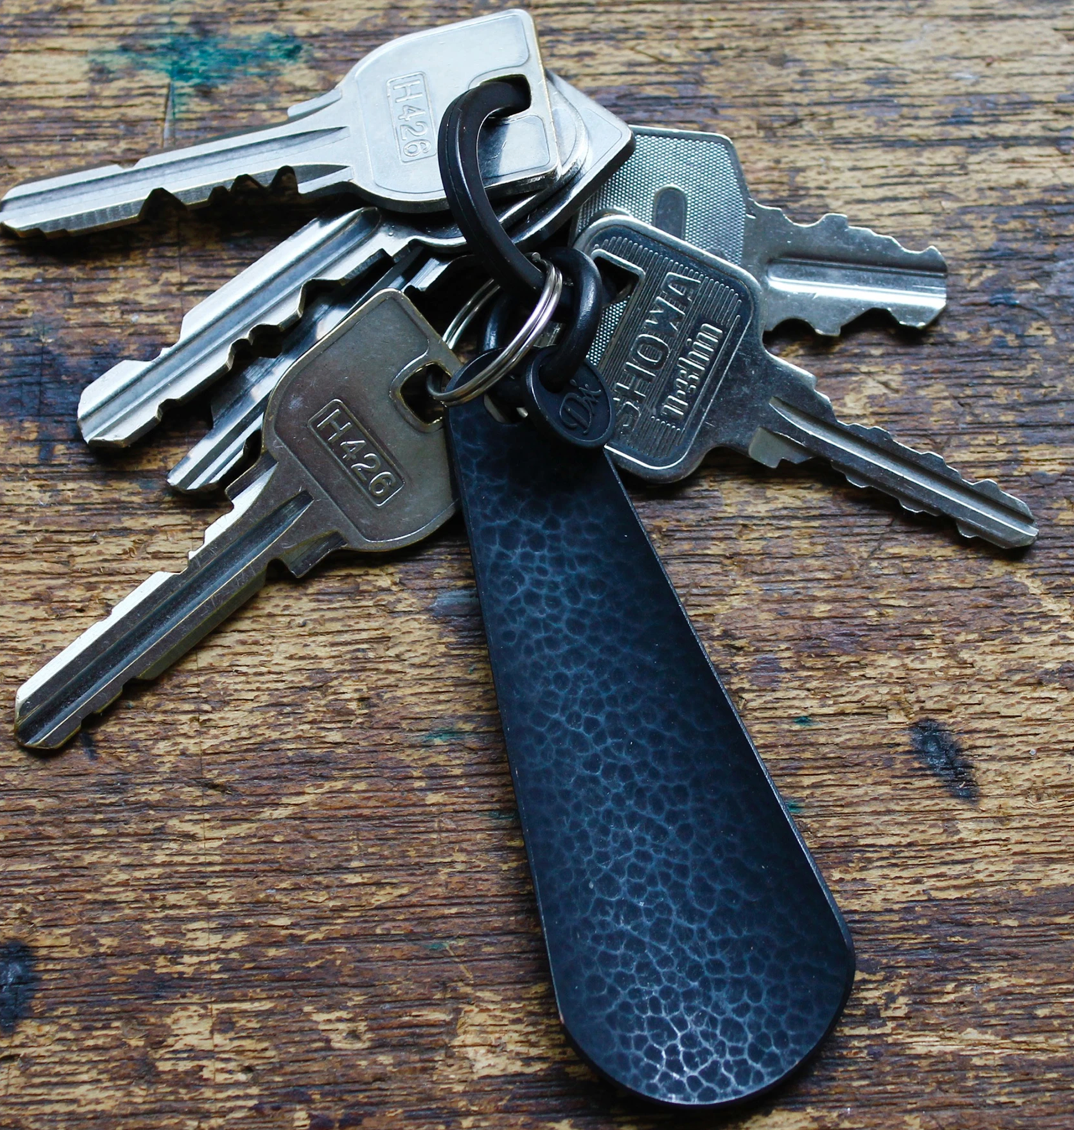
(473, 306)
(516, 348)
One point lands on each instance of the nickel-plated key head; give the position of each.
(353, 442)
(691, 185)
(374, 133)
(346, 465)
(683, 355)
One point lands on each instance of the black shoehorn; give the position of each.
(697, 956)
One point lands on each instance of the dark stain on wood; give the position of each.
(941, 754)
(18, 983)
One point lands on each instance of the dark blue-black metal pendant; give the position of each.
(696, 954)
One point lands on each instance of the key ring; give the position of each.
(559, 365)
(502, 363)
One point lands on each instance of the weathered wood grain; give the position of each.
(284, 886)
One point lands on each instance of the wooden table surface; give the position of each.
(284, 885)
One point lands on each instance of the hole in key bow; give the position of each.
(414, 395)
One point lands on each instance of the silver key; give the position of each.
(684, 359)
(345, 465)
(129, 399)
(239, 400)
(374, 133)
(827, 273)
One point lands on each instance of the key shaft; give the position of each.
(163, 618)
(125, 402)
(345, 464)
(871, 457)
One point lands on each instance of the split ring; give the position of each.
(514, 351)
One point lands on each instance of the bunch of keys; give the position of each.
(696, 955)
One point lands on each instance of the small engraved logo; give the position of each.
(356, 450)
(578, 408)
(412, 117)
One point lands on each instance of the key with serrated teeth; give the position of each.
(683, 355)
(691, 185)
(129, 399)
(345, 465)
(374, 134)
(238, 401)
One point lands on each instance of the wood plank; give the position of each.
(284, 885)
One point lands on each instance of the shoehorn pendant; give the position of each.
(697, 956)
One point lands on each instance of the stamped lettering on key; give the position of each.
(691, 370)
(675, 360)
(412, 116)
(335, 426)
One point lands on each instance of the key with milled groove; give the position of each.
(238, 401)
(690, 184)
(683, 355)
(345, 465)
(128, 400)
(374, 134)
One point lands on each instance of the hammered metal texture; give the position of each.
(696, 954)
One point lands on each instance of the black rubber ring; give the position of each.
(501, 315)
(460, 169)
(583, 320)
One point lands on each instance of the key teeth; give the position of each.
(922, 482)
(830, 272)
(998, 494)
(271, 295)
(988, 488)
(836, 224)
(130, 212)
(58, 733)
(97, 219)
(883, 438)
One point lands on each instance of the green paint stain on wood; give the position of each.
(201, 62)
(439, 737)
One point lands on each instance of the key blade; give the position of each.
(345, 464)
(238, 405)
(375, 133)
(690, 185)
(871, 457)
(829, 273)
(158, 622)
(114, 195)
(129, 399)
